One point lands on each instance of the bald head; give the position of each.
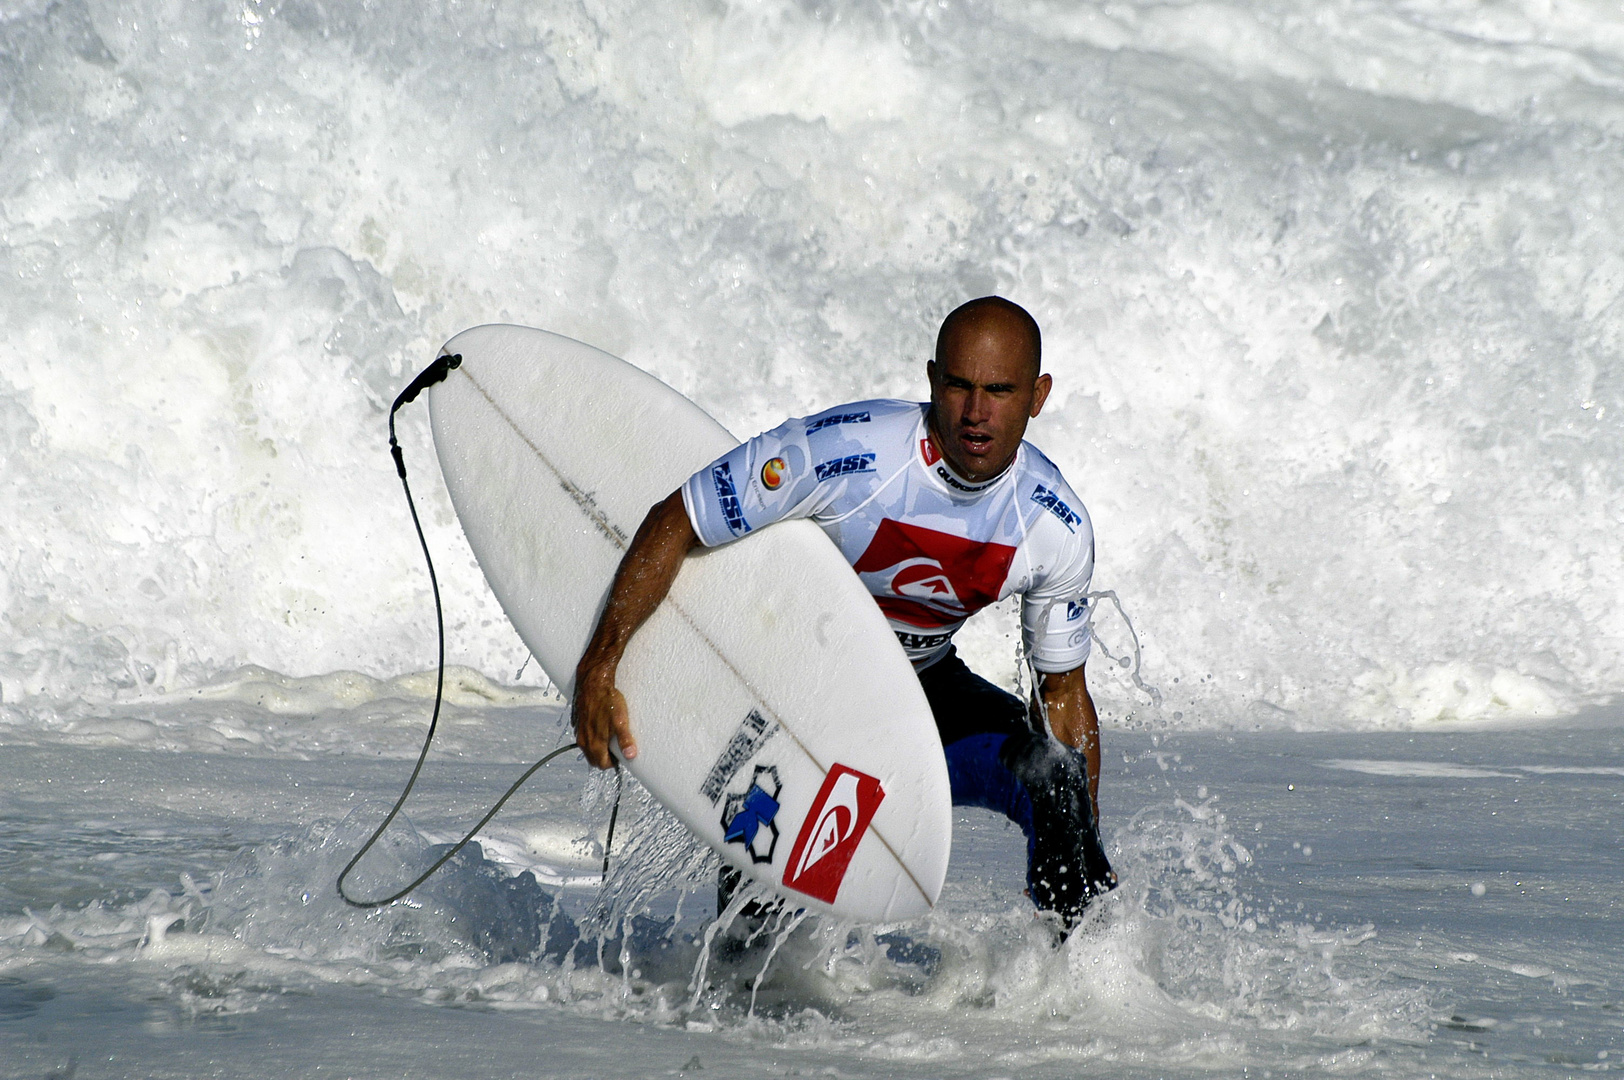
(985, 384)
(996, 321)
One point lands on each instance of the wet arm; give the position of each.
(644, 577)
(1074, 721)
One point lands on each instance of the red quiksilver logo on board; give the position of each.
(831, 832)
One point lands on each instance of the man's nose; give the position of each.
(977, 406)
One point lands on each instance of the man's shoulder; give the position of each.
(1036, 467)
(860, 440)
(855, 413)
(1042, 483)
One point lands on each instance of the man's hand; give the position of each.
(1074, 721)
(645, 575)
(600, 714)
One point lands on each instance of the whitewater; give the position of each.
(1331, 294)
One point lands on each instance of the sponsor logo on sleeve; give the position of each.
(747, 818)
(831, 421)
(831, 832)
(772, 473)
(752, 734)
(844, 466)
(1052, 503)
(728, 497)
(1076, 609)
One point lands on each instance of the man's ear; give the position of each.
(1040, 392)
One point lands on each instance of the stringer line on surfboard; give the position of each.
(618, 537)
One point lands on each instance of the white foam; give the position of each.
(1573, 770)
(1456, 771)
(1331, 299)
(1446, 770)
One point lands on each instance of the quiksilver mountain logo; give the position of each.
(831, 832)
(931, 579)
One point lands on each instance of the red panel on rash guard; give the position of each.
(929, 578)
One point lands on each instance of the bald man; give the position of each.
(942, 509)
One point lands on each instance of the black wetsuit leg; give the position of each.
(995, 760)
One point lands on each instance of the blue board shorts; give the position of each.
(997, 761)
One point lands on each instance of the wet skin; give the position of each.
(983, 391)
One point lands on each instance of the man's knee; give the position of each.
(1068, 866)
(1052, 773)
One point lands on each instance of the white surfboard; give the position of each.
(775, 713)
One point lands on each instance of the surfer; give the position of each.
(942, 509)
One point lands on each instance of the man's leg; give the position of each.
(996, 761)
(728, 881)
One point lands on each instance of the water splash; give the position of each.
(1179, 965)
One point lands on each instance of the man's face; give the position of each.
(982, 393)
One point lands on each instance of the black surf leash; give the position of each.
(429, 376)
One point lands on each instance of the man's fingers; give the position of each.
(620, 716)
(592, 733)
(599, 717)
(583, 739)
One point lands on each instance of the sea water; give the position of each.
(1331, 297)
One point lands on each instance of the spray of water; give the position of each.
(1331, 301)
(1180, 964)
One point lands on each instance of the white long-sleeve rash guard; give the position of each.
(932, 547)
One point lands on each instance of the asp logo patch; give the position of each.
(772, 473)
(843, 466)
(842, 418)
(1053, 503)
(831, 832)
(727, 497)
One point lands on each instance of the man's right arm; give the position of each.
(645, 575)
(729, 498)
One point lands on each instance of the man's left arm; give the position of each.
(1074, 721)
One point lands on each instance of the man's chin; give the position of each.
(975, 467)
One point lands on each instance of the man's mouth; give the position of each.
(975, 441)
